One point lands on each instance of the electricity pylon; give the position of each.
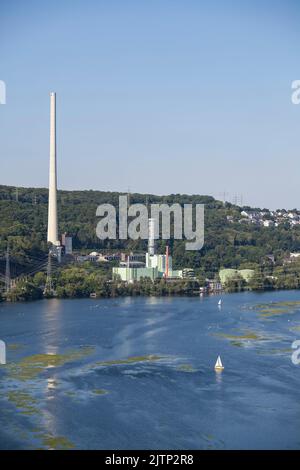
(49, 285)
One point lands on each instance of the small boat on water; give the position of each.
(220, 302)
(218, 365)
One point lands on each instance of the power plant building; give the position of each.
(134, 274)
(157, 266)
(67, 242)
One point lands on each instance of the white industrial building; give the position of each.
(157, 266)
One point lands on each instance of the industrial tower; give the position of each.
(52, 236)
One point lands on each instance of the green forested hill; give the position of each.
(23, 222)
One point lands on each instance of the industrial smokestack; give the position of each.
(151, 237)
(167, 262)
(52, 236)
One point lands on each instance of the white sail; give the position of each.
(220, 302)
(219, 364)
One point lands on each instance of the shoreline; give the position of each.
(143, 295)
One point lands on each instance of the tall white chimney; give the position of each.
(151, 237)
(52, 203)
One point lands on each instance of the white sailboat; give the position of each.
(218, 365)
(220, 302)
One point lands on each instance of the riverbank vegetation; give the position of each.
(80, 281)
(75, 281)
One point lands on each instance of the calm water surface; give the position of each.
(139, 373)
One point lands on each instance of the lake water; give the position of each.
(138, 373)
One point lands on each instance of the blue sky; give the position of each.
(161, 96)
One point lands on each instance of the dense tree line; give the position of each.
(23, 216)
(73, 281)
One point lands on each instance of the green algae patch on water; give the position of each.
(30, 367)
(14, 347)
(130, 360)
(270, 312)
(70, 393)
(295, 328)
(243, 339)
(238, 344)
(99, 391)
(247, 335)
(56, 442)
(23, 401)
(186, 368)
(277, 308)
